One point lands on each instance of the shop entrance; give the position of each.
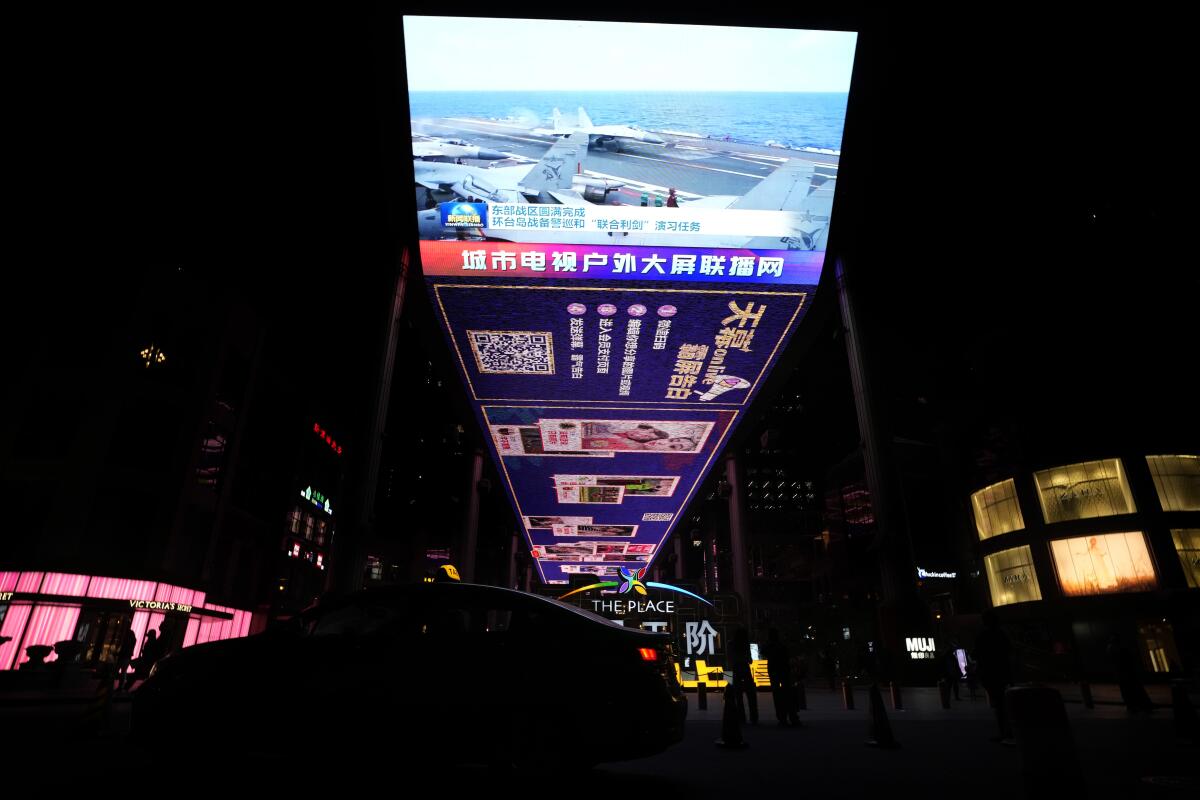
(101, 633)
(1156, 641)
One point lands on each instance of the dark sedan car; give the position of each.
(455, 672)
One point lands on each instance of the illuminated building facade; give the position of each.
(1083, 557)
(150, 460)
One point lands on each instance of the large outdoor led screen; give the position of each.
(618, 244)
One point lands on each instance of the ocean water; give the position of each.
(809, 119)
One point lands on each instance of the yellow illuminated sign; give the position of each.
(451, 571)
(708, 675)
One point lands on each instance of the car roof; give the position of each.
(452, 588)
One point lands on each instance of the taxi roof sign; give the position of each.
(448, 572)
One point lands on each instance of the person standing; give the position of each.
(148, 655)
(672, 200)
(779, 670)
(993, 654)
(743, 680)
(1129, 678)
(953, 668)
(124, 656)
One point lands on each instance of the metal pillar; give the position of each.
(469, 540)
(737, 534)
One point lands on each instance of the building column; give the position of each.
(900, 606)
(469, 539)
(737, 534)
(513, 549)
(678, 556)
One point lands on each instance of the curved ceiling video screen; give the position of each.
(618, 241)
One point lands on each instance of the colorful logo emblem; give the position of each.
(631, 581)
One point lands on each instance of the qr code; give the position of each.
(513, 352)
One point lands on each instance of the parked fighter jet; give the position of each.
(507, 184)
(610, 137)
(451, 149)
(795, 186)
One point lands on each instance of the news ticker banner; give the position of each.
(689, 265)
(591, 218)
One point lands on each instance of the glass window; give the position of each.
(1081, 491)
(997, 510)
(1159, 653)
(374, 568)
(361, 618)
(294, 520)
(1187, 545)
(1177, 479)
(1011, 576)
(1104, 564)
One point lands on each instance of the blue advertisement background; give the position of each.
(514, 304)
(540, 308)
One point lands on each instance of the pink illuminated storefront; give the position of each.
(42, 608)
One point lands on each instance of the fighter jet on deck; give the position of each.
(451, 149)
(794, 186)
(610, 137)
(554, 172)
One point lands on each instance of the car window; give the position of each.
(358, 618)
(460, 619)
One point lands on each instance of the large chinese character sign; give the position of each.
(615, 293)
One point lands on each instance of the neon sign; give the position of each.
(924, 573)
(317, 499)
(159, 605)
(920, 648)
(631, 580)
(327, 438)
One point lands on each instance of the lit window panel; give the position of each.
(1177, 479)
(997, 510)
(1011, 576)
(1187, 545)
(1082, 491)
(1104, 564)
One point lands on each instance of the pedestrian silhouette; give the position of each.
(779, 670)
(972, 676)
(993, 653)
(829, 667)
(743, 680)
(1129, 678)
(149, 655)
(953, 669)
(124, 656)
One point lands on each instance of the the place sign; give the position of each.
(633, 606)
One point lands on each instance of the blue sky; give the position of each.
(464, 54)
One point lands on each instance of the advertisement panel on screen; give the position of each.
(618, 249)
(1104, 564)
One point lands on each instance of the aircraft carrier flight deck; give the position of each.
(695, 166)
